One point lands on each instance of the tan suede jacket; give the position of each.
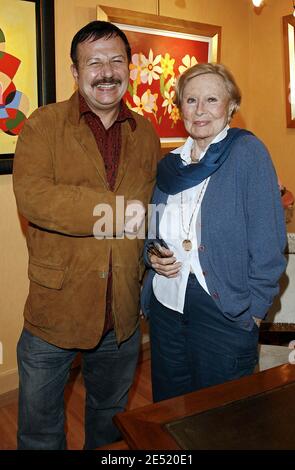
(59, 177)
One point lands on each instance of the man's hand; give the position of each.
(257, 320)
(134, 217)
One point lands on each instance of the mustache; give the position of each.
(106, 81)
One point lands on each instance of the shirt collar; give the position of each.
(124, 112)
(185, 150)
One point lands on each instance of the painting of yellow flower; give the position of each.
(158, 58)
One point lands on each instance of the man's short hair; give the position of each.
(97, 30)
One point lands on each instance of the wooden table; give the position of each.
(262, 401)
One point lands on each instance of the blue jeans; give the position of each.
(197, 348)
(108, 372)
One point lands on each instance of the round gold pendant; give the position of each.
(187, 245)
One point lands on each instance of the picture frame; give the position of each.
(162, 48)
(43, 85)
(289, 64)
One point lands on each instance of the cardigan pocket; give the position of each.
(46, 275)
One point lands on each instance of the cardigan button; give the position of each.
(201, 248)
(204, 273)
(215, 295)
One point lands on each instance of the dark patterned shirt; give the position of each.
(109, 142)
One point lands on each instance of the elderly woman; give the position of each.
(217, 214)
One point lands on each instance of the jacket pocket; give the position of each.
(46, 275)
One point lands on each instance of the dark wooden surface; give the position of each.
(276, 333)
(144, 428)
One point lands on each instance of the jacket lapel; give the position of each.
(85, 138)
(87, 141)
(127, 150)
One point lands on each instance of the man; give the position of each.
(84, 290)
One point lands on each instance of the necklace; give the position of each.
(187, 243)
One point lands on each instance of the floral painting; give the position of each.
(157, 59)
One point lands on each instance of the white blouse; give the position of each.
(178, 223)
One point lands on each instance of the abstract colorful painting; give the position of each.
(27, 68)
(18, 69)
(14, 104)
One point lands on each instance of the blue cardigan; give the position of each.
(243, 234)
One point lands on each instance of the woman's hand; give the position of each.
(165, 265)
